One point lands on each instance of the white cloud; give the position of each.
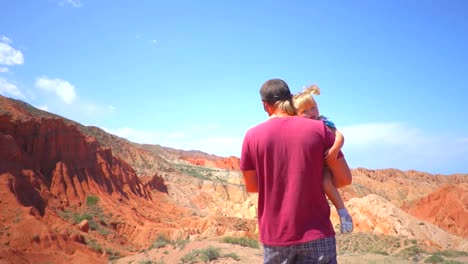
(398, 145)
(7, 88)
(10, 56)
(209, 141)
(61, 88)
(5, 39)
(380, 133)
(3, 69)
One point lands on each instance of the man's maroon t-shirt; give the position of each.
(287, 154)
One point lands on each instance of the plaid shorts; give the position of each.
(313, 252)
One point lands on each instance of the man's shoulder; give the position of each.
(293, 120)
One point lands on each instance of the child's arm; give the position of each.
(332, 153)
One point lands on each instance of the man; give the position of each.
(282, 159)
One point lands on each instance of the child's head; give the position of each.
(305, 104)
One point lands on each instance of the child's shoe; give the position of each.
(346, 221)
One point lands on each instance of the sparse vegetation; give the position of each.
(451, 262)
(206, 255)
(209, 254)
(200, 172)
(96, 218)
(242, 241)
(438, 257)
(434, 259)
(91, 200)
(358, 242)
(234, 256)
(93, 244)
(193, 171)
(77, 218)
(180, 243)
(410, 252)
(189, 258)
(160, 242)
(113, 255)
(452, 253)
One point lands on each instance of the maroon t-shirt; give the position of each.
(288, 155)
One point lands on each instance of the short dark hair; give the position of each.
(275, 90)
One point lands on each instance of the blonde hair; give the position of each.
(305, 99)
(287, 106)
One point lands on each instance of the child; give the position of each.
(307, 107)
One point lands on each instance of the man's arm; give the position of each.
(341, 173)
(339, 167)
(250, 180)
(339, 140)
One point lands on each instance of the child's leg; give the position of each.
(331, 190)
(340, 166)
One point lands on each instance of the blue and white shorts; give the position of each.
(321, 251)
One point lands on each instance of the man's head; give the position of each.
(275, 90)
(275, 93)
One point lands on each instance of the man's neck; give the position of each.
(279, 113)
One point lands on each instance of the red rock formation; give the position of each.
(231, 163)
(48, 163)
(446, 208)
(58, 156)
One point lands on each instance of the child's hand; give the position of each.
(331, 154)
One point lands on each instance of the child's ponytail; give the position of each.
(312, 89)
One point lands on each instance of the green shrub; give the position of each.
(77, 218)
(209, 254)
(160, 242)
(452, 262)
(189, 258)
(242, 241)
(409, 252)
(434, 259)
(180, 243)
(205, 255)
(452, 253)
(92, 243)
(234, 256)
(91, 200)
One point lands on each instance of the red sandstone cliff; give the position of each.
(231, 163)
(46, 164)
(447, 208)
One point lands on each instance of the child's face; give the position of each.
(311, 112)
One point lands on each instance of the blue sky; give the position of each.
(186, 74)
